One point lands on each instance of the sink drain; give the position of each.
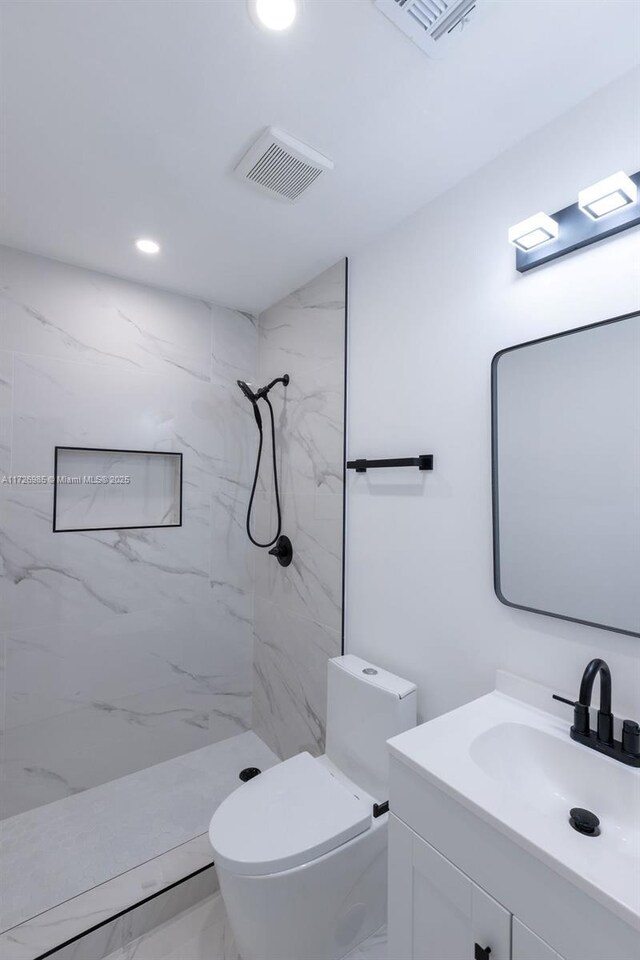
(584, 822)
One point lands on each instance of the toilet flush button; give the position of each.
(370, 671)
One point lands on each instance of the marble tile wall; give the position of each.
(298, 609)
(121, 648)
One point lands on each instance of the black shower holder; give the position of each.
(422, 462)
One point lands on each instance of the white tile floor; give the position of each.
(203, 933)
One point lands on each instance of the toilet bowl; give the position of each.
(300, 853)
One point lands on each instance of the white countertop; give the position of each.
(515, 766)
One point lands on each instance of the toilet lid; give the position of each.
(289, 815)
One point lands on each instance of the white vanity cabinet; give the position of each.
(459, 887)
(484, 863)
(435, 911)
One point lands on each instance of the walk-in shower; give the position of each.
(282, 548)
(146, 668)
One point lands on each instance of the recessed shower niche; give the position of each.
(97, 489)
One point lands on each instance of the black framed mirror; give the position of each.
(566, 474)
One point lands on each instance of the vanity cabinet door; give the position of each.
(527, 946)
(435, 911)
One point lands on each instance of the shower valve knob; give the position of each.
(283, 551)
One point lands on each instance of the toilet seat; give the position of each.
(289, 815)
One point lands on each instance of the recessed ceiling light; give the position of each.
(533, 231)
(273, 14)
(147, 246)
(608, 195)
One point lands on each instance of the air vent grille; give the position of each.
(282, 166)
(426, 12)
(431, 24)
(284, 174)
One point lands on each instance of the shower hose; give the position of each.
(275, 478)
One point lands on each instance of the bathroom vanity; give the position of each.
(483, 862)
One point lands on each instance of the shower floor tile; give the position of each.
(73, 845)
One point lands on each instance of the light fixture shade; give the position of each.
(608, 195)
(533, 231)
(275, 15)
(146, 245)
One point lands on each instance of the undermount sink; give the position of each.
(516, 767)
(552, 775)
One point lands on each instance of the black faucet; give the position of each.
(626, 750)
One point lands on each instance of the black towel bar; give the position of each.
(423, 462)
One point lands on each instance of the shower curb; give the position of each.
(120, 910)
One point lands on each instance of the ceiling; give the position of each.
(123, 119)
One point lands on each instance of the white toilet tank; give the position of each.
(365, 707)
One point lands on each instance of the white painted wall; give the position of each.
(430, 303)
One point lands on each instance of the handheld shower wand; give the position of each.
(262, 394)
(252, 398)
(246, 389)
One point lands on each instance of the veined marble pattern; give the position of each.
(200, 933)
(6, 383)
(203, 933)
(124, 648)
(85, 840)
(298, 609)
(85, 705)
(290, 679)
(311, 586)
(140, 924)
(57, 310)
(233, 341)
(100, 904)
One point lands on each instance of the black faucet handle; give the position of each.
(580, 713)
(631, 737)
(571, 703)
(283, 551)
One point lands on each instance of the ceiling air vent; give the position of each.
(282, 166)
(431, 24)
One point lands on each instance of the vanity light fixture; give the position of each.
(144, 245)
(533, 231)
(275, 15)
(608, 195)
(605, 208)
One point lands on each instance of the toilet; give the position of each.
(301, 850)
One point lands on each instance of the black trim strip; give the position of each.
(121, 913)
(146, 453)
(344, 453)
